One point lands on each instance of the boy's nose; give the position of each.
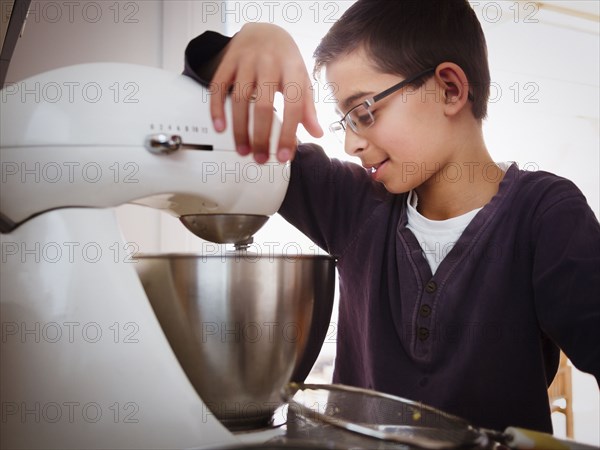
(353, 143)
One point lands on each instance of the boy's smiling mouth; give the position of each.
(374, 168)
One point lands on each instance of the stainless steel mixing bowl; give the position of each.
(241, 325)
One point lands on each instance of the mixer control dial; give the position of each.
(161, 143)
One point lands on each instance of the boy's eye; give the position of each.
(363, 117)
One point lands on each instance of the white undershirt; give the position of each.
(437, 237)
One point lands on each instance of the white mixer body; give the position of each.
(84, 362)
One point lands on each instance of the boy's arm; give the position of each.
(566, 275)
(203, 55)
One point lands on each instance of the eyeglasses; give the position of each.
(360, 117)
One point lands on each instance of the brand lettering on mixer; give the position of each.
(70, 252)
(250, 332)
(69, 412)
(68, 171)
(71, 92)
(69, 332)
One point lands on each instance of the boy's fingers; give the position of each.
(311, 124)
(292, 115)
(240, 102)
(263, 119)
(267, 78)
(310, 120)
(299, 108)
(239, 109)
(221, 82)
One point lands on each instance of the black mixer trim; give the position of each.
(206, 147)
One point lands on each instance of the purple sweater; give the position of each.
(480, 338)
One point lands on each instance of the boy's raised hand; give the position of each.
(262, 59)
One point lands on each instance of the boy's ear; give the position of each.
(455, 85)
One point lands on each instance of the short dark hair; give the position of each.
(405, 37)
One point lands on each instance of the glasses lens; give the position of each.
(338, 130)
(360, 118)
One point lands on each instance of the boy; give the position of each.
(460, 278)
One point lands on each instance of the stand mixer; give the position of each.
(85, 362)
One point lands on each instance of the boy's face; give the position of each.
(404, 145)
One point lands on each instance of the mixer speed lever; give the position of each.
(163, 143)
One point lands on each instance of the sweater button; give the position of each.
(431, 287)
(423, 333)
(425, 311)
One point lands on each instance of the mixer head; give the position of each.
(155, 147)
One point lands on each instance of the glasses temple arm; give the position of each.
(397, 87)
